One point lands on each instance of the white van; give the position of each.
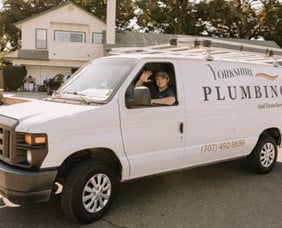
(99, 129)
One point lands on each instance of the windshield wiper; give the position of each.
(82, 97)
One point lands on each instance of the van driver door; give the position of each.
(153, 135)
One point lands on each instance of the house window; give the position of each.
(69, 36)
(97, 38)
(41, 38)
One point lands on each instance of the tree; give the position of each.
(97, 7)
(167, 16)
(234, 18)
(277, 32)
(272, 21)
(125, 14)
(14, 11)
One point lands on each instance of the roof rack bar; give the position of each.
(209, 49)
(212, 41)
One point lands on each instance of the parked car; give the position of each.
(54, 83)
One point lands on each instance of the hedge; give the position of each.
(14, 76)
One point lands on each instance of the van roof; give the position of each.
(208, 49)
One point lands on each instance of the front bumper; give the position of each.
(26, 185)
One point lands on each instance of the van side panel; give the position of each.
(228, 105)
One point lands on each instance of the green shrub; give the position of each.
(14, 76)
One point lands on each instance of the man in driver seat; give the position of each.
(161, 92)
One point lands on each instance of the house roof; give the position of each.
(40, 55)
(19, 23)
(137, 39)
(33, 54)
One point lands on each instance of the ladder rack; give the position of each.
(210, 49)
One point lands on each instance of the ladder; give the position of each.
(210, 49)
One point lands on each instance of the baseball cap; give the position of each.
(162, 74)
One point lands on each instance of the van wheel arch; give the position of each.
(274, 132)
(100, 155)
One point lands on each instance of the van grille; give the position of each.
(5, 145)
(7, 135)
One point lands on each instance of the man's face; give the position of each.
(162, 82)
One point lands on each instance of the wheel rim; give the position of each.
(96, 193)
(267, 155)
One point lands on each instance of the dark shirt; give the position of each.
(155, 93)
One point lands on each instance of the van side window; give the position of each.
(154, 85)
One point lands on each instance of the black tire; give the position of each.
(49, 90)
(263, 157)
(88, 184)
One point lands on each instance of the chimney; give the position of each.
(111, 22)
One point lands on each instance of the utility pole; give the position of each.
(111, 22)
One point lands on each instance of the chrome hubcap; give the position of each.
(96, 193)
(267, 155)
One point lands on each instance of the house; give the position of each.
(58, 40)
(63, 38)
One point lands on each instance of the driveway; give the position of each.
(29, 95)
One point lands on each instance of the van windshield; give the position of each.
(97, 81)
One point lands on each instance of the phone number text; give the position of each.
(214, 147)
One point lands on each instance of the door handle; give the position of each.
(181, 127)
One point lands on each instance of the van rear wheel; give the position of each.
(263, 157)
(88, 191)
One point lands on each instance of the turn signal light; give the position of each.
(35, 139)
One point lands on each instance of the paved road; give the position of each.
(224, 195)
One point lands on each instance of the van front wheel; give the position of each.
(264, 156)
(88, 191)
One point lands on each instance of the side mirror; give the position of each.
(141, 97)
